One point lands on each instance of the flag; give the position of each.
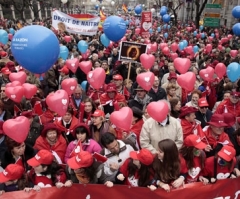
(124, 7)
(102, 15)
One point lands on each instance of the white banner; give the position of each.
(64, 22)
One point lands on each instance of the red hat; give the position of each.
(28, 114)
(107, 51)
(217, 120)
(1, 127)
(229, 119)
(11, 172)
(65, 70)
(117, 77)
(49, 126)
(172, 75)
(5, 71)
(215, 62)
(98, 113)
(235, 93)
(83, 159)
(42, 157)
(144, 156)
(186, 110)
(202, 102)
(3, 54)
(227, 153)
(194, 140)
(111, 87)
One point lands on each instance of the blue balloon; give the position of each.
(195, 33)
(159, 29)
(129, 9)
(35, 53)
(138, 9)
(236, 12)
(181, 46)
(82, 46)
(203, 35)
(12, 31)
(236, 29)
(84, 85)
(105, 41)
(163, 12)
(165, 35)
(164, 7)
(114, 28)
(150, 30)
(233, 71)
(166, 18)
(96, 7)
(212, 35)
(185, 43)
(168, 27)
(3, 36)
(201, 28)
(127, 22)
(195, 49)
(63, 52)
(165, 26)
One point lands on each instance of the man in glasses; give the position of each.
(203, 114)
(231, 105)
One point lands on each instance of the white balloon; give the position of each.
(152, 10)
(112, 3)
(103, 7)
(64, 1)
(93, 1)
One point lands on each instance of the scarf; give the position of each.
(143, 101)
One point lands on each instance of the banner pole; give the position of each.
(129, 71)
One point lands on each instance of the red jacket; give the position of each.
(62, 128)
(228, 107)
(59, 147)
(46, 117)
(191, 128)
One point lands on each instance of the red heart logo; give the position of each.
(29, 90)
(85, 66)
(13, 84)
(155, 108)
(122, 118)
(207, 74)
(72, 64)
(187, 81)
(220, 70)
(17, 129)
(147, 60)
(58, 102)
(96, 78)
(182, 64)
(69, 85)
(67, 38)
(20, 76)
(146, 80)
(15, 93)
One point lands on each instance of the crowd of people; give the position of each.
(198, 141)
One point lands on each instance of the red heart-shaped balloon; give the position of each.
(69, 85)
(85, 66)
(154, 47)
(174, 47)
(187, 81)
(86, 54)
(158, 110)
(208, 48)
(29, 90)
(233, 53)
(174, 56)
(58, 102)
(163, 45)
(207, 74)
(122, 118)
(72, 64)
(146, 80)
(67, 38)
(189, 50)
(13, 84)
(15, 93)
(96, 78)
(20, 76)
(137, 31)
(17, 129)
(147, 60)
(220, 70)
(182, 64)
(166, 51)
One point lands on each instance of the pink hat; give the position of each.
(42, 157)
(83, 159)
(194, 140)
(11, 172)
(144, 156)
(65, 70)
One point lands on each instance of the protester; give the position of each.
(87, 108)
(175, 107)
(195, 96)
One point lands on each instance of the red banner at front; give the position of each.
(146, 23)
(223, 189)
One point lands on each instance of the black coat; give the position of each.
(160, 94)
(199, 117)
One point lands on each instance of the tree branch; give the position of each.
(202, 8)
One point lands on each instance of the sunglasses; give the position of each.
(204, 107)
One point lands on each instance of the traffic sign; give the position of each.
(211, 22)
(209, 5)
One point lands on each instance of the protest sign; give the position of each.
(146, 23)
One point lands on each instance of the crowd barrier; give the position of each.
(222, 189)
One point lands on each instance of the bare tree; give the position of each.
(199, 10)
(174, 6)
